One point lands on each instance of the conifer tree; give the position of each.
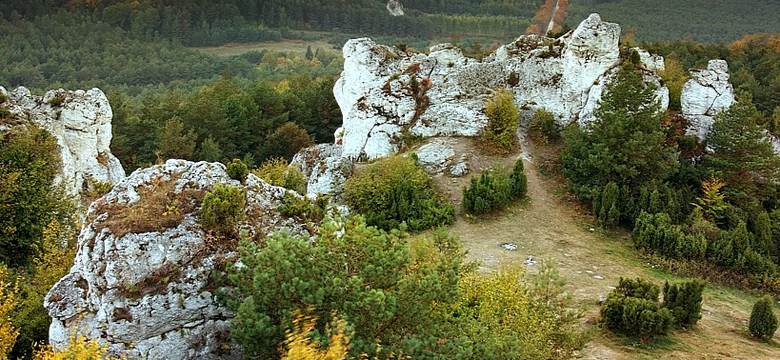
(763, 322)
(625, 144)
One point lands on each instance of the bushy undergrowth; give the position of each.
(222, 209)
(396, 190)
(237, 170)
(633, 309)
(544, 128)
(502, 116)
(278, 172)
(494, 189)
(395, 296)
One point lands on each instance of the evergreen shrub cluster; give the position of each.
(222, 209)
(277, 172)
(633, 308)
(503, 117)
(494, 189)
(237, 170)
(396, 190)
(544, 128)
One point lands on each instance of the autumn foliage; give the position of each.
(540, 21)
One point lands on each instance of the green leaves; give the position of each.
(396, 190)
(367, 275)
(625, 144)
(29, 199)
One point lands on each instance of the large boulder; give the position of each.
(325, 170)
(707, 93)
(81, 122)
(387, 95)
(142, 280)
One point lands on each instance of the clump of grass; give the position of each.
(158, 209)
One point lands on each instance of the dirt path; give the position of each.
(549, 227)
(552, 18)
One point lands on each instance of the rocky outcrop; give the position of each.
(81, 122)
(439, 156)
(142, 279)
(386, 94)
(707, 93)
(395, 8)
(325, 169)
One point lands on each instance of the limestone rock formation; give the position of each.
(81, 122)
(141, 282)
(325, 169)
(395, 8)
(707, 93)
(387, 95)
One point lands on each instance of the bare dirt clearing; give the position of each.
(548, 226)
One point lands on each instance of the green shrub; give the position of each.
(544, 127)
(29, 198)
(491, 191)
(684, 301)
(632, 308)
(237, 170)
(368, 276)
(607, 207)
(513, 79)
(302, 207)
(56, 101)
(222, 209)
(3, 98)
(763, 322)
(519, 180)
(502, 116)
(277, 172)
(395, 190)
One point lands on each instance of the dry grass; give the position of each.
(551, 226)
(160, 208)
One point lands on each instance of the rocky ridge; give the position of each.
(81, 122)
(387, 95)
(142, 279)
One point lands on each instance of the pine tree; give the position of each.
(626, 142)
(763, 322)
(684, 301)
(309, 54)
(741, 154)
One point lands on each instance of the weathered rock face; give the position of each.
(325, 169)
(81, 122)
(707, 93)
(386, 94)
(142, 273)
(395, 8)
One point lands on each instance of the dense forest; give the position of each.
(701, 21)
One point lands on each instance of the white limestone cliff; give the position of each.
(325, 170)
(386, 94)
(81, 122)
(144, 288)
(707, 93)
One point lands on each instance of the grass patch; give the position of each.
(158, 209)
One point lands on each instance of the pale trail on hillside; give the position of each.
(549, 17)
